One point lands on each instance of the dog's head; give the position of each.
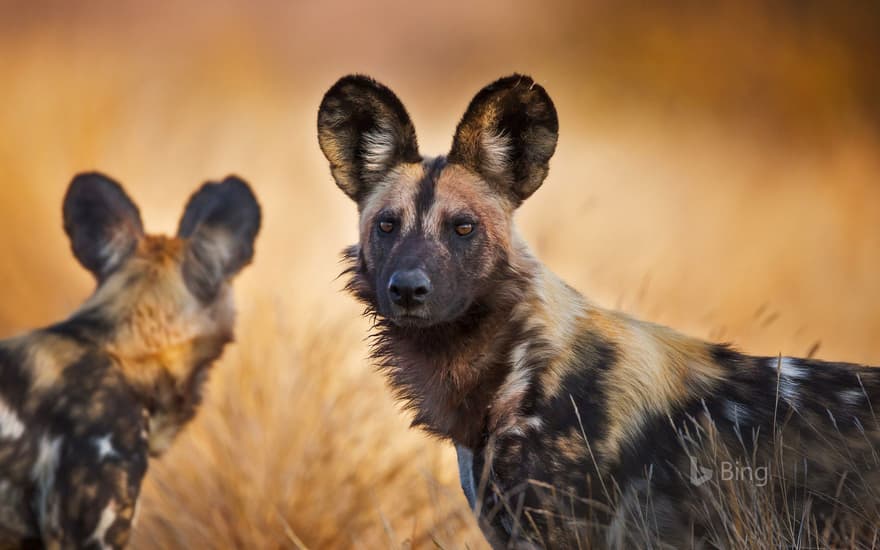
(434, 233)
(163, 305)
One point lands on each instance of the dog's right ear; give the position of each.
(364, 131)
(220, 223)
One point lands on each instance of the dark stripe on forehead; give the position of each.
(425, 196)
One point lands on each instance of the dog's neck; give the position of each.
(450, 375)
(169, 384)
(167, 381)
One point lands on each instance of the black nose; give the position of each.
(409, 288)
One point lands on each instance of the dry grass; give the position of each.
(302, 454)
(676, 194)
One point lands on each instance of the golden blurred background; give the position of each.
(718, 171)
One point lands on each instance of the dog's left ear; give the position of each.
(220, 225)
(507, 136)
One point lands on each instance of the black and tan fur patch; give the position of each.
(84, 402)
(576, 426)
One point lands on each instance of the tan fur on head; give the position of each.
(459, 190)
(395, 193)
(155, 314)
(163, 333)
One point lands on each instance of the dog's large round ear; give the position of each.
(507, 136)
(220, 225)
(102, 222)
(364, 131)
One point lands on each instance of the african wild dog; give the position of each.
(575, 425)
(83, 402)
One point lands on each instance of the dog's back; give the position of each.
(644, 435)
(18, 452)
(73, 433)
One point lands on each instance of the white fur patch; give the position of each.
(788, 389)
(736, 412)
(108, 516)
(853, 398)
(789, 375)
(496, 152)
(514, 387)
(788, 368)
(162, 431)
(11, 426)
(379, 148)
(137, 513)
(518, 379)
(104, 447)
(518, 355)
(534, 423)
(112, 251)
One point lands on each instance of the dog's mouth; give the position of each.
(412, 320)
(421, 318)
(429, 315)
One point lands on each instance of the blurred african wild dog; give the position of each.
(577, 426)
(85, 401)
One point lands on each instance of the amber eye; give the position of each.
(464, 229)
(386, 226)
